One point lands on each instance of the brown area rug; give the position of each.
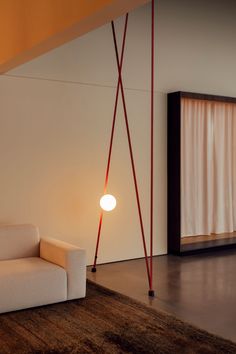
(103, 322)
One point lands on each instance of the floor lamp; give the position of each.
(108, 202)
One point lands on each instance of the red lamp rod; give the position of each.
(111, 142)
(151, 292)
(148, 260)
(131, 152)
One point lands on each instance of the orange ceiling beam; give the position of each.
(29, 28)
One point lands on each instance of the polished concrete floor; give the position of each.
(199, 289)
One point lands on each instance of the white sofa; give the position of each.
(35, 272)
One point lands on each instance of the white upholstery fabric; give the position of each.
(34, 272)
(18, 241)
(30, 282)
(72, 259)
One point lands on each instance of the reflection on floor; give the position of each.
(206, 238)
(200, 289)
(193, 243)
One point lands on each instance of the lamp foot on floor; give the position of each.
(151, 293)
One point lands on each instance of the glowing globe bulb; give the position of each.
(108, 202)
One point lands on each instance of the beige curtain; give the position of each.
(208, 167)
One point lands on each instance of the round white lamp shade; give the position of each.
(108, 202)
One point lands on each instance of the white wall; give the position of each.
(196, 46)
(56, 115)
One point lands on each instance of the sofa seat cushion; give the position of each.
(29, 282)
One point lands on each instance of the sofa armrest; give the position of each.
(72, 259)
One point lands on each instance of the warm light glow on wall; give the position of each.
(108, 202)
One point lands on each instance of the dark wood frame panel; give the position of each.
(174, 174)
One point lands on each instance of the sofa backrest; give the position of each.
(18, 241)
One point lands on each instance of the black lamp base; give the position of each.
(93, 270)
(151, 293)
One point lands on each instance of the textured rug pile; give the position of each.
(103, 322)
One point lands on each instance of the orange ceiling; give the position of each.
(29, 28)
